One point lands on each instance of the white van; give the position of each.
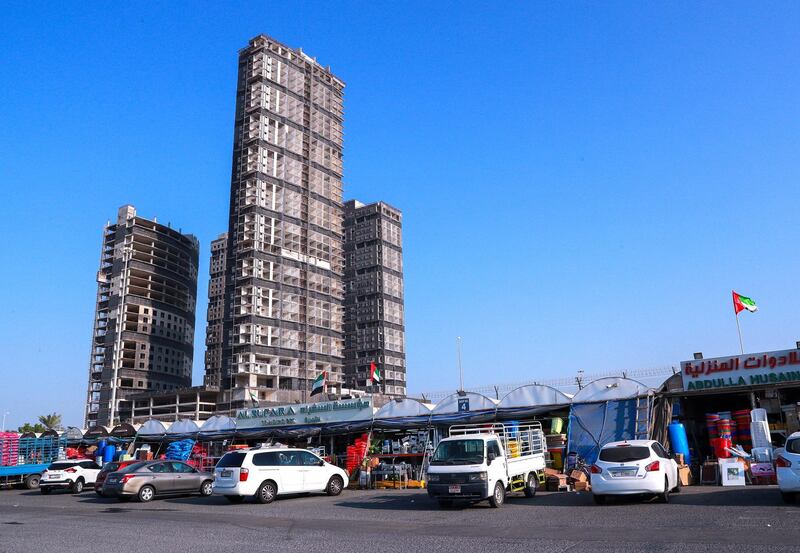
(478, 462)
(267, 472)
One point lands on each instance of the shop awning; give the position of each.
(611, 389)
(463, 407)
(218, 426)
(184, 428)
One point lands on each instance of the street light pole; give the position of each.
(460, 370)
(4, 419)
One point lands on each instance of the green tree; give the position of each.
(28, 427)
(51, 421)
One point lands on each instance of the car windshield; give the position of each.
(231, 460)
(458, 452)
(111, 467)
(793, 446)
(61, 466)
(624, 454)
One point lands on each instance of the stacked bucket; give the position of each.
(356, 453)
(9, 448)
(742, 418)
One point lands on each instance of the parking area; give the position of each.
(744, 519)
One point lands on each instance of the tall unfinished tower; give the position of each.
(283, 309)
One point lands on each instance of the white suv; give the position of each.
(634, 467)
(266, 472)
(787, 464)
(74, 474)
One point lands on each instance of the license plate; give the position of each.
(626, 472)
(112, 480)
(454, 489)
(225, 473)
(54, 476)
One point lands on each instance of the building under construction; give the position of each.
(145, 314)
(282, 319)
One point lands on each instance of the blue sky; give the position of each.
(582, 184)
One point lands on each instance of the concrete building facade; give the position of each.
(374, 312)
(145, 314)
(283, 305)
(215, 313)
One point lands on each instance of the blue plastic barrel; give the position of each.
(679, 441)
(108, 453)
(101, 445)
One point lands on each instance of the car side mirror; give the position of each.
(321, 463)
(490, 457)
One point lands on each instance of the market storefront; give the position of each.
(736, 408)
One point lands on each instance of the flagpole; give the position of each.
(460, 370)
(739, 330)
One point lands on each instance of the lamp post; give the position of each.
(4, 419)
(460, 370)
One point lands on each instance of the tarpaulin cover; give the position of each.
(124, 430)
(183, 428)
(592, 425)
(180, 450)
(404, 408)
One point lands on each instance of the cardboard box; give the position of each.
(552, 472)
(556, 483)
(582, 487)
(685, 476)
(679, 459)
(578, 476)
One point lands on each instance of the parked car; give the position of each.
(787, 464)
(267, 472)
(107, 469)
(634, 467)
(72, 474)
(150, 479)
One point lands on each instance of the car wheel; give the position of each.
(146, 493)
(77, 486)
(531, 485)
(499, 495)
(599, 499)
(32, 481)
(665, 496)
(45, 491)
(445, 503)
(235, 498)
(335, 485)
(788, 497)
(266, 492)
(206, 488)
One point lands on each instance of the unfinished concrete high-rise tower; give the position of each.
(283, 307)
(374, 313)
(144, 318)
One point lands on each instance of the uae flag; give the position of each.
(319, 384)
(374, 373)
(740, 303)
(254, 398)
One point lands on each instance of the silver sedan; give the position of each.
(149, 479)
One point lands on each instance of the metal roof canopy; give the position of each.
(612, 388)
(152, 427)
(477, 402)
(401, 408)
(534, 395)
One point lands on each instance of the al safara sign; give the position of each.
(775, 367)
(322, 412)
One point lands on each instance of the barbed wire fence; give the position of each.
(652, 377)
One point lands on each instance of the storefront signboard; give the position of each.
(775, 367)
(323, 412)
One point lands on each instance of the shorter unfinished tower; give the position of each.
(144, 317)
(374, 321)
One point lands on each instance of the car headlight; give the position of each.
(477, 477)
(433, 478)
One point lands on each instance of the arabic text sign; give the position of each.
(774, 367)
(322, 412)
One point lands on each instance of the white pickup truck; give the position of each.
(485, 461)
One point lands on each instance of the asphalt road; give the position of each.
(700, 519)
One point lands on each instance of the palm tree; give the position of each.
(51, 421)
